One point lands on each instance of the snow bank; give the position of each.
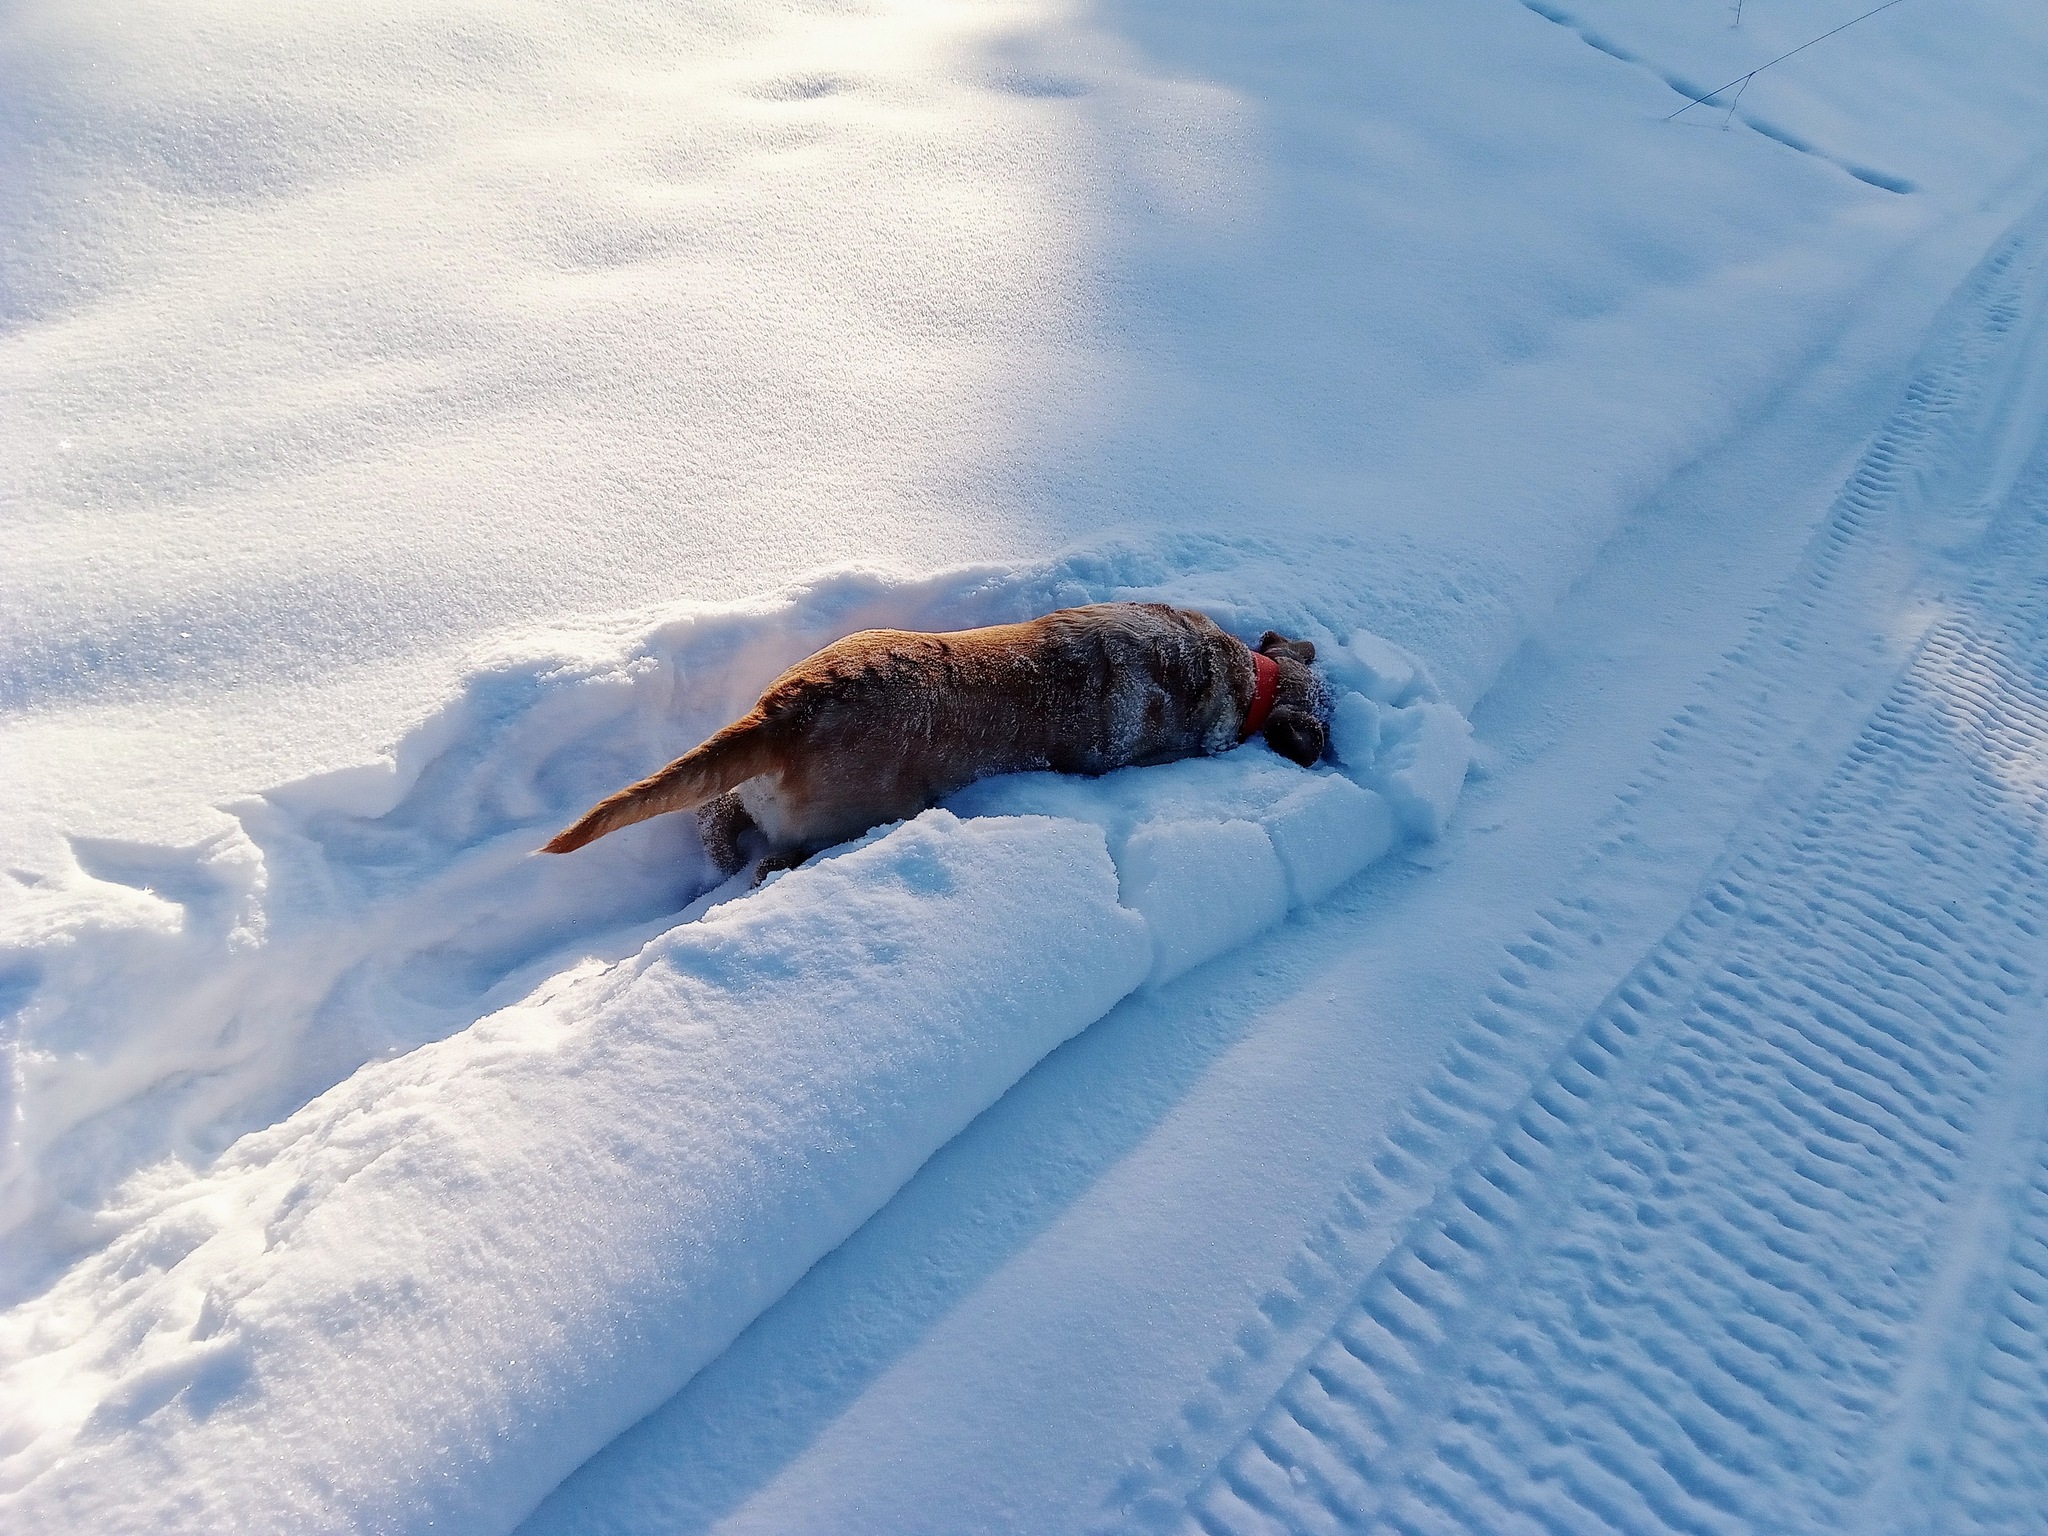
(422, 1300)
(637, 1132)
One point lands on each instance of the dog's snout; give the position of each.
(1297, 736)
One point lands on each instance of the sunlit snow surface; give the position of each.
(419, 421)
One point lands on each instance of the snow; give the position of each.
(1422, 751)
(1326, 832)
(1203, 887)
(357, 914)
(421, 420)
(701, 1119)
(698, 1126)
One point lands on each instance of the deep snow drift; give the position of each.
(401, 405)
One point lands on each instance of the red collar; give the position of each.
(1268, 671)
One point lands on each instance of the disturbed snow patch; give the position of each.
(165, 1001)
(609, 1137)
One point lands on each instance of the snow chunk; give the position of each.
(1377, 668)
(1355, 732)
(1327, 831)
(1203, 887)
(695, 1128)
(1426, 748)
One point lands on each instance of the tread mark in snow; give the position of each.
(1681, 1283)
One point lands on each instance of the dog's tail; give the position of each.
(733, 756)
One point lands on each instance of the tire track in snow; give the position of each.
(1946, 1369)
(1707, 1340)
(1968, 1442)
(1806, 1119)
(1408, 1408)
(1996, 1477)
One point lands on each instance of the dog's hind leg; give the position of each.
(724, 824)
(778, 861)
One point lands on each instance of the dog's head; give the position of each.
(1297, 728)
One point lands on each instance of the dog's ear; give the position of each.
(1273, 642)
(1298, 735)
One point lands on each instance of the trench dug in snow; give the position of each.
(518, 1239)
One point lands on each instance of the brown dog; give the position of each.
(878, 726)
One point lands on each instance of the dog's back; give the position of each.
(887, 722)
(884, 723)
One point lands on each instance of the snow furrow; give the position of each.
(1829, 1015)
(709, 1107)
(356, 915)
